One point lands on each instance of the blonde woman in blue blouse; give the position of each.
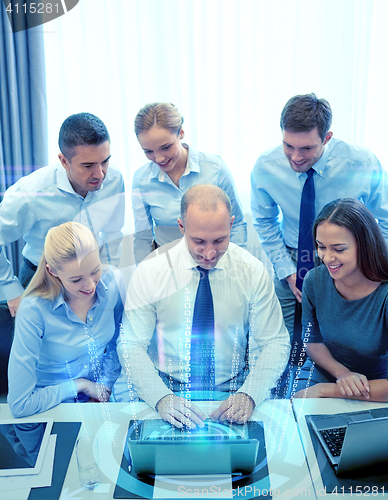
(66, 327)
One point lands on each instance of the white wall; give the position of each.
(229, 66)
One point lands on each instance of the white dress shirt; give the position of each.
(159, 310)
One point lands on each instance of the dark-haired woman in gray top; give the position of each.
(345, 309)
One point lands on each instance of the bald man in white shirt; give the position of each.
(155, 349)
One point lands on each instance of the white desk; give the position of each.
(303, 407)
(289, 475)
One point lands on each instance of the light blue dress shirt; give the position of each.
(158, 318)
(45, 199)
(52, 347)
(343, 171)
(156, 200)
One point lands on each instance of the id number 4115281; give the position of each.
(366, 491)
(34, 8)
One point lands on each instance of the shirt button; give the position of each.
(85, 366)
(90, 319)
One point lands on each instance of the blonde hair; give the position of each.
(63, 244)
(160, 114)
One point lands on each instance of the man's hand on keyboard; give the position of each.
(180, 412)
(237, 408)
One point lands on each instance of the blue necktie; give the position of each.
(202, 336)
(306, 221)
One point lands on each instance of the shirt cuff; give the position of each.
(284, 268)
(258, 397)
(154, 400)
(11, 290)
(68, 390)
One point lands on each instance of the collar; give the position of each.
(63, 184)
(162, 175)
(101, 290)
(189, 262)
(320, 165)
(192, 165)
(193, 159)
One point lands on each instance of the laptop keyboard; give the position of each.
(334, 439)
(157, 430)
(188, 437)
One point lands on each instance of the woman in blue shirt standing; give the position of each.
(174, 167)
(66, 327)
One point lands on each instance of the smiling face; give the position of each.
(207, 234)
(88, 167)
(303, 149)
(164, 148)
(337, 248)
(80, 278)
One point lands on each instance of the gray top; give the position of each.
(354, 331)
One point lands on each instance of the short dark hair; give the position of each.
(207, 196)
(302, 113)
(79, 130)
(372, 251)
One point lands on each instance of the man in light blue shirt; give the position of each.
(80, 188)
(341, 170)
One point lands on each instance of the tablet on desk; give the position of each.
(23, 446)
(157, 447)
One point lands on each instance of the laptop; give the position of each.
(156, 447)
(354, 440)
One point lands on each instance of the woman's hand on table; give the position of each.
(330, 390)
(353, 384)
(96, 392)
(315, 391)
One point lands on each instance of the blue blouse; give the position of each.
(156, 200)
(52, 347)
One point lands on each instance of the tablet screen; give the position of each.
(23, 446)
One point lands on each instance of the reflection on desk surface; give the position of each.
(109, 422)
